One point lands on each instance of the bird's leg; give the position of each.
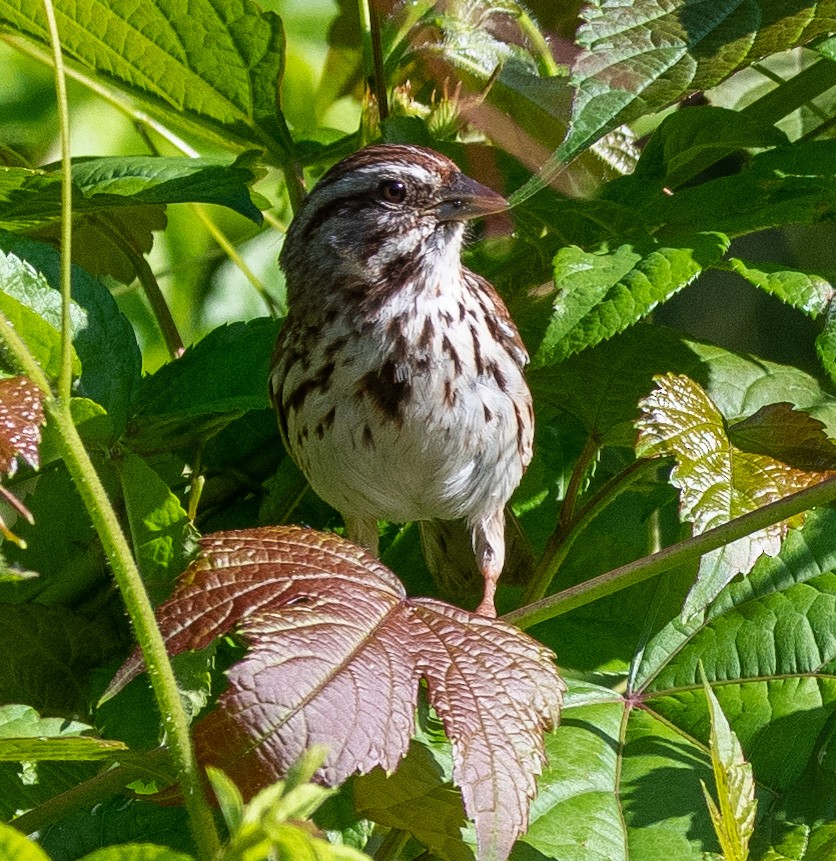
(362, 531)
(489, 546)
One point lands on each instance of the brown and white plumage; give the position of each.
(398, 374)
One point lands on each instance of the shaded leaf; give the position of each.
(785, 185)
(600, 294)
(786, 434)
(212, 383)
(641, 56)
(171, 59)
(336, 654)
(419, 798)
(826, 342)
(692, 139)
(719, 481)
(21, 417)
(733, 815)
(47, 654)
(164, 538)
(115, 822)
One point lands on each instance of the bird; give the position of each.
(397, 376)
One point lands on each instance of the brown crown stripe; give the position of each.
(395, 154)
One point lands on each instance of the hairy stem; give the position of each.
(677, 554)
(148, 635)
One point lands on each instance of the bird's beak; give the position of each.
(464, 198)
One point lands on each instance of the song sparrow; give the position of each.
(398, 374)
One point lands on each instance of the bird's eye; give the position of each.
(392, 191)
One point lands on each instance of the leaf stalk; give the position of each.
(677, 554)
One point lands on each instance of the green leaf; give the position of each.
(826, 342)
(212, 383)
(21, 287)
(719, 481)
(13, 844)
(419, 798)
(22, 721)
(692, 139)
(29, 198)
(164, 538)
(624, 772)
(25, 735)
(599, 294)
(733, 816)
(136, 852)
(102, 335)
(790, 184)
(39, 644)
(39, 749)
(640, 57)
(806, 291)
(115, 822)
(576, 813)
(216, 64)
(230, 800)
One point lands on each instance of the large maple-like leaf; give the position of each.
(336, 654)
(724, 471)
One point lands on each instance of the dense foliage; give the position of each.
(668, 259)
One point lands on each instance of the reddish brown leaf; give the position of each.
(21, 417)
(336, 654)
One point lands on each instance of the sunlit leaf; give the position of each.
(719, 480)
(15, 845)
(216, 65)
(642, 56)
(29, 198)
(600, 294)
(806, 291)
(733, 814)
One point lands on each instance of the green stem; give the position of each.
(65, 379)
(671, 557)
(231, 252)
(148, 634)
(562, 540)
(373, 55)
(133, 592)
(541, 49)
(150, 286)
